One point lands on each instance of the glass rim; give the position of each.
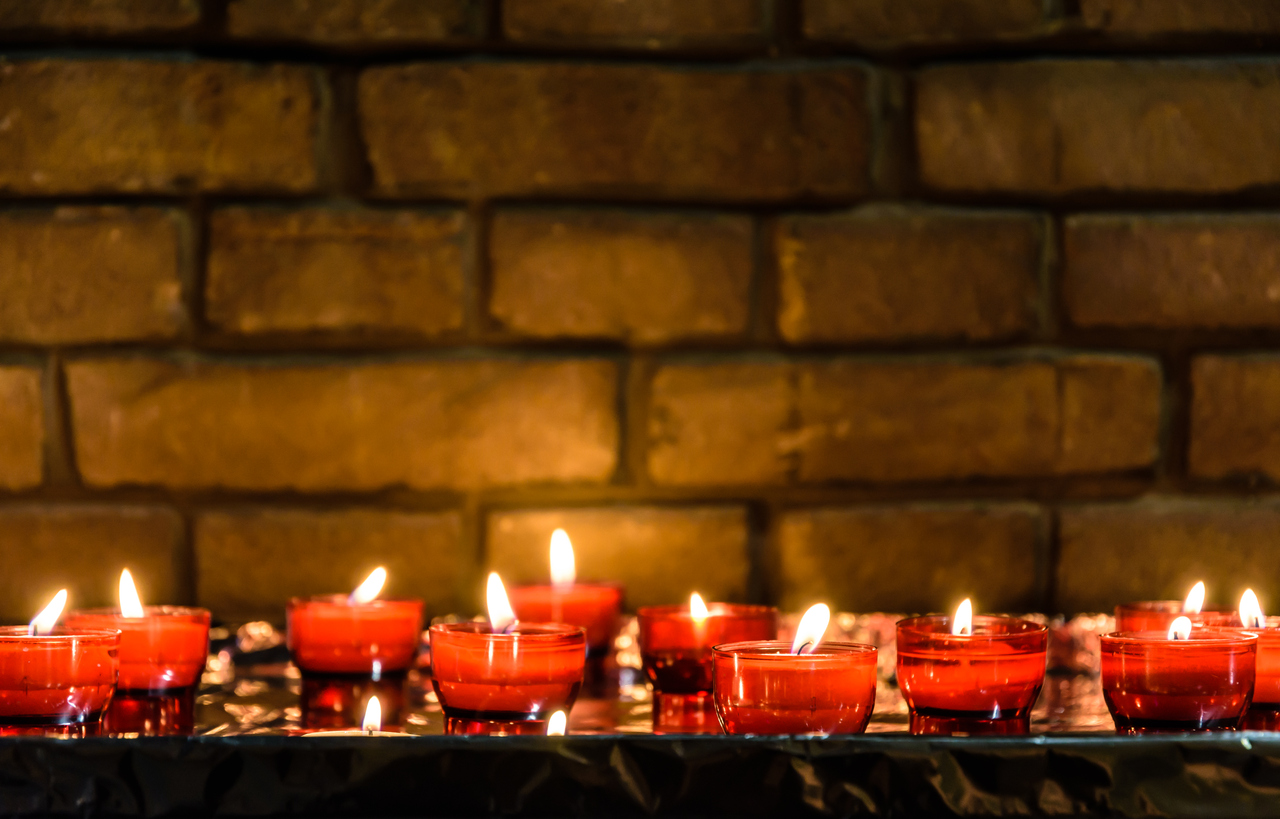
(1170, 607)
(345, 600)
(547, 584)
(548, 633)
(61, 635)
(1236, 636)
(149, 612)
(828, 651)
(912, 625)
(680, 611)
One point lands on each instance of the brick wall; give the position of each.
(883, 302)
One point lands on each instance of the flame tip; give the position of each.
(501, 616)
(813, 625)
(698, 608)
(962, 623)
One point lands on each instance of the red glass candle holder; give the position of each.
(162, 655)
(505, 682)
(1153, 684)
(980, 683)
(762, 688)
(328, 634)
(595, 607)
(58, 683)
(675, 651)
(1264, 709)
(1158, 615)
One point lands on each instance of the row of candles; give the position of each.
(1170, 666)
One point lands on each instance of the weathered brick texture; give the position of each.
(924, 558)
(76, 275)
(1235, 416)
(21, 428)
(909, 420)
(1170, 271)
(357, 22)
(98, 16)
(512, 129)
(155, 126)
(335, 270)
(637, 24)
(1057, 126)
(249, 562)
(616, 274)
(1158, 548)
(426, 425)
(888, 274)
(877, 24)
(82, 548)
(1151, 17)
(660, 554)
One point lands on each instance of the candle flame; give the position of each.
(563, 568)
(372, 717)
(812, 626)
(368, 591)
(697, 608)
(557, 724)
(44, 622)
(1195, 599)
(1180, 629)
(962, 623)
(1251, 611)
(501, 617)
(130, 603)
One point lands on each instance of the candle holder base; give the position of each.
(165, 712)
(465, 726)
(338, 701)
(1262, 717)
(39, 727)
(964, 725)
(1137, 727)
(685, 714)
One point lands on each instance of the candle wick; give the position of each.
(800, 649)
(507, 628)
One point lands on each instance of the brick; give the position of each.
(647, 278)
(1235, 417)
(248, 560)
(82, 548)
(881, 24)
(660, 554)
(1053, 127)
(889, 274)
(335, 270)
(1155, 17)
(510, 129)
(21, 428)
(356, 22)
(80, 275)
(638, 24)
(905, 420)
(1156, 549)
(1172, 271)
(428, 424)
(155, 126)
(909, 558)
(98, 16)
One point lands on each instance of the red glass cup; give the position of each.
(1153, 684)
(980, 683)
(762, 688)
(328, 634)
(1264, 709)
(162, 655)
(595, 607)
(505, 682)
(675, 650)
(56, 684)
(1158, 615)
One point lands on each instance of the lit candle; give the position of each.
(370, 726)
(970, 674)
(356, 633)
(596, 607)
(505, 676)
(162, 655)
(1180, 679)
(1157, 615)
(807, 687)
(1264, 708)
(675, 650)
(55, 680)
